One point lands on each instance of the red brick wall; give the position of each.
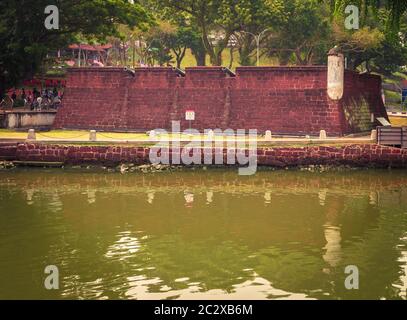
(365, 155)
(281, 99)
(284, 100)
(8, 150)
(362, 97)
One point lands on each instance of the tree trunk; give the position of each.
(310, 56)
(211, 51)
(206, 43)
(215, 53)
(216, 59)
(200, 56)
(231, 58)
(180, 57)
(244, 52)
(284, 57)
(300, 60)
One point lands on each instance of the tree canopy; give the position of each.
(26, 42)
(396, 8)
(166, 31)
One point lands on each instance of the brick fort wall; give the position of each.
(287, 100)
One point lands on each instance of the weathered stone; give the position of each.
(31, 135)
(367, 155)
(373, 135)
(267, 136)
(92, 135)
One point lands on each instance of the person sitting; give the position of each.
(36, 93)
(13, 98)
(24, 96)
(38, 103)
(32, 102)
(56, 102)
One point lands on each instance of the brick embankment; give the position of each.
(357, 155)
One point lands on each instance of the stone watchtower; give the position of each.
(336, 74)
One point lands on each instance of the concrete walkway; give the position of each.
(83, 137)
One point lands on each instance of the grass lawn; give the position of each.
(398, 121)
(392, 96)
(9, 134)
(189, 60)
(72, 135)
(78, 135)
(75, 137)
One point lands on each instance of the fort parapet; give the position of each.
(285, 100)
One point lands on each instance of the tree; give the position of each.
(159, 40)
(217, 21)
(389, 57)
(374, 46)
(25, 40)
(198, 48)
(303, 34)
(184, 38)
(188, 34)
(396, 9)
(175, 39)
(263, 16)
(359, 46)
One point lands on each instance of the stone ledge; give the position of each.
(356, 155)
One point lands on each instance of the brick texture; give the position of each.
(290, 100)
(357, 155)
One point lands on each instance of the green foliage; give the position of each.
(303, 34)
(262, 18)
(217, 21)
(390, 56)
(374, 47)
(396, 9)
(25, 40)
(175, 39)
(295, 31)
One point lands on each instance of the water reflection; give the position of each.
(189, 199)
(402, 284)
(29, 196)
(125, 247)
(203, 235)
(209, 197)
(333, 245)
(322, 196)
(150, 197)
(267, 197)
(256, 289)
(91, 196)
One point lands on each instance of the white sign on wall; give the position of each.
(190, 115)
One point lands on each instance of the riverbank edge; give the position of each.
(352, 155)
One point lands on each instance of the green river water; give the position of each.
(203, 234)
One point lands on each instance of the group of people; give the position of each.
(37, 100)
